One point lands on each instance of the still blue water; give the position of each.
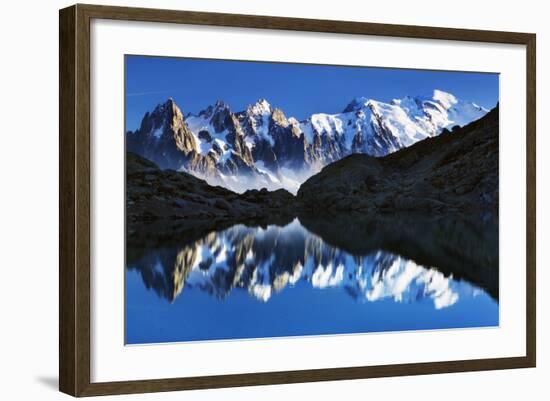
(285, 280)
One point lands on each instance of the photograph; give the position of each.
(270, 199)
(281, 200)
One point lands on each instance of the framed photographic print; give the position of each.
(250, 200)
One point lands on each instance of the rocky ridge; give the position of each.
(262, 147)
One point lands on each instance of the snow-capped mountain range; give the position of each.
(265, 261)
(262, 147)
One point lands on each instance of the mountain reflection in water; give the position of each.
(376, 275)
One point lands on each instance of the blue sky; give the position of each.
(298, 89)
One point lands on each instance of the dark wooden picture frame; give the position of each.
(74, 204)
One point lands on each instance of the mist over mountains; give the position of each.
(261, 147)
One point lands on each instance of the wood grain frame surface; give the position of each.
(74, 199)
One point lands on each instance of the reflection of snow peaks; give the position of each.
(264, 261)
(405, 280)
(325, 276)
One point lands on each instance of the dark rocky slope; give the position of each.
(454, 171)
(153, 194)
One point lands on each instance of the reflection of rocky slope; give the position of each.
(261, 147)
(457, 170)
(153, 194)
(366, 259)
(464, 246)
